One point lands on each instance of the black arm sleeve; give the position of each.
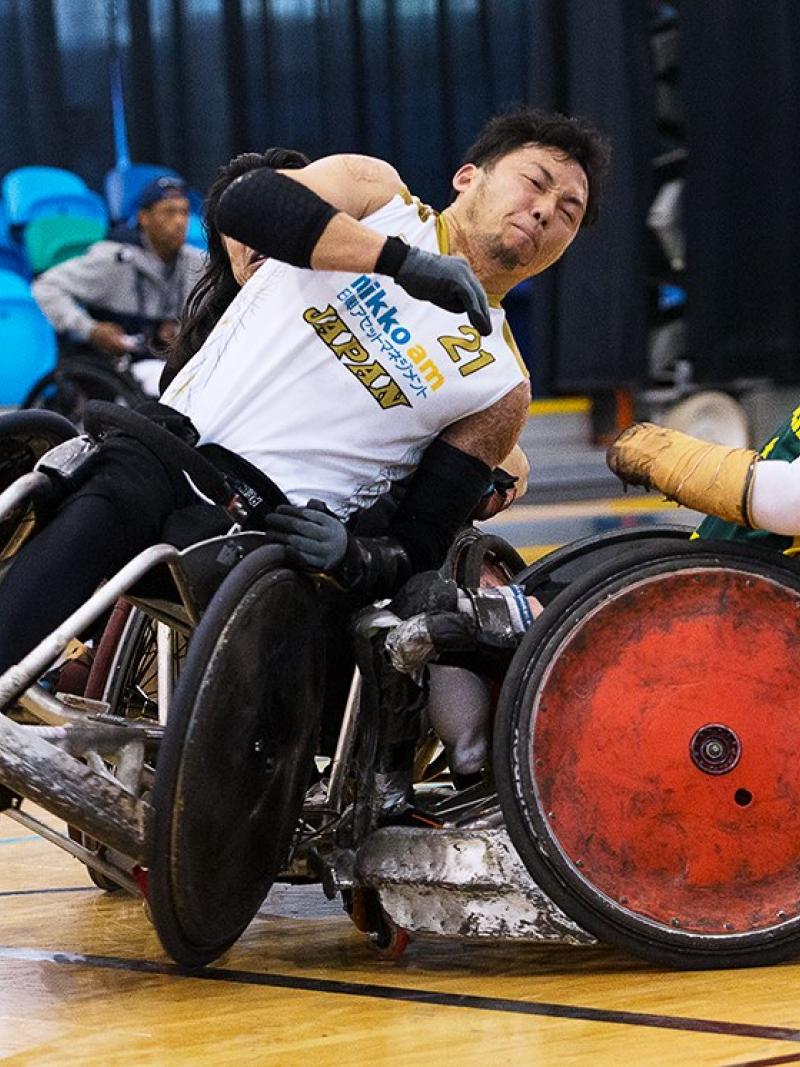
(275, 215)
(441, 495)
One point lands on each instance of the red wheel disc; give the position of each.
(665, 750)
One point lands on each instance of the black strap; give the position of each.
(256, 491)
(169, 435)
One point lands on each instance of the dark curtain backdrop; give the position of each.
(408, 80)
(740, 68)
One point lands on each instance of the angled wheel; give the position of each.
(489, 561)
(236, 758)
(478, 559)
(646, 760)
(124, 673)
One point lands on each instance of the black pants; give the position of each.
(119, 511)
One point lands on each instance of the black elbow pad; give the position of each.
(275, 215)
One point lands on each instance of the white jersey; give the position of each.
(334, 383)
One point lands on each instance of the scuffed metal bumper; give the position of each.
(460, 883)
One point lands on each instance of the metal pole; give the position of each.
(20, 676)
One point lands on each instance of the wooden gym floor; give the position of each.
(83, 980)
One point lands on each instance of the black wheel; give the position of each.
(489, 561)
(100, 880)
(644, 754)
(68, 389)
(237, 757)
(476, 559)
(125, 668)
(575, 559)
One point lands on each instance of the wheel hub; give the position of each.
(715, 749)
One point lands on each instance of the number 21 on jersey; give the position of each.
(466, 351)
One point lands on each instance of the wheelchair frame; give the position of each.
(483, 861)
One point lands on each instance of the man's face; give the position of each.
(244, 261)
(525, 209)
(164, 223)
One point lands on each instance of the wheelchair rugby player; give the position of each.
(312, 376)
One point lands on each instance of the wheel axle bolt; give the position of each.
(715, 748)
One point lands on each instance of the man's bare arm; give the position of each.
(357, 186)
(491, 434)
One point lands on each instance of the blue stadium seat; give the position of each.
(14, 287)
(55, 238)
(5, 231)
(14, 260)
(195, 234)
(25, 186)
(123, 186)
(27, 340)
(85, 205)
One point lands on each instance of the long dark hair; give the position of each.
(217, 287)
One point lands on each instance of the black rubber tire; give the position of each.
(489, 557)
(572, 561)
(131, 676)
(515, 775)
(68, 389)
(237, 756)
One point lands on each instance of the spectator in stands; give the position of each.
(127, 292)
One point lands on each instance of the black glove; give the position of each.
(424, 592)
(314, 538)
(447, 281)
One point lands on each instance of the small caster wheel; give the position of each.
(100, 880)
(390, 941)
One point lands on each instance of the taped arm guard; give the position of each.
(715, 479)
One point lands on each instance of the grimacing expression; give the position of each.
(165, 224)
(525, 208)
(244, 261)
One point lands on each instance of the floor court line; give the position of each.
(57, 889)
(414, 996)
(773, 1061)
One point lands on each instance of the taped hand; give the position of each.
(314, 538)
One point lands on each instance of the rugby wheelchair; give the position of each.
(643, 787)
(83, 374)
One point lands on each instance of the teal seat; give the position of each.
(27, 340)
(52, 240)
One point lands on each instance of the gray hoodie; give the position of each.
(117, 279)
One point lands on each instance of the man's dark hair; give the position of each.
(528, 125)
(217, 287)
